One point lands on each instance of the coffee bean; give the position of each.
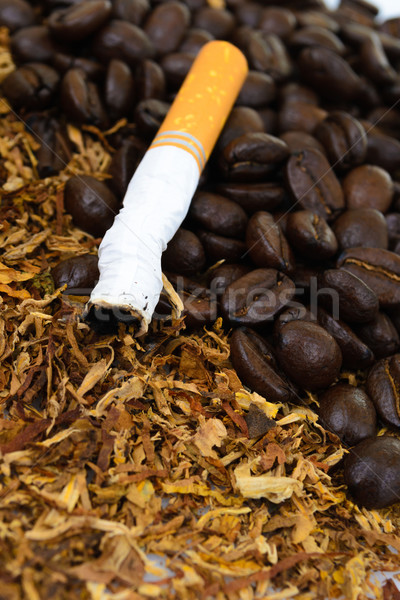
(308, 355)
(253, 197)
(166, 26)
(133, 11)
(80, 99)
(344, 139)
(379, 269)
(266, 244)
(119, 87)
(175, 67)
(256, 297)
(347, 296)
(383, 385)
(222, 276)
(329, 74)
(219, 247)
(310, 235)
(55, 150)
(91, 203)
(248, 13)
(380, 335)
(314, 35)
(371, 472)
(277, 20)
(16, 15)
(258, 89)
(33, 44)
(383, 151)
(149, 114)
(92, 69)
(217, 21)
(368, 186)
(150, 81)
(123, 165)
(313, 184)
(256, 365)
(363, 227)
(79, 20)
(252, 156)
(123, 41)
(296, 312)
(32, 86)
(184, 253)
(374, 61)
(79, 273)
(393, 228)
(300, 116)
(348, 412)
(356, 354)
(218, 214)
(194, 40)
(295, 92)
(241, 120)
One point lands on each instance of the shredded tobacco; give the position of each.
(138, 469)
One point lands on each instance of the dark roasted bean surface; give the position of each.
(293, 235)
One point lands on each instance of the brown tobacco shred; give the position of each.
(117, 452)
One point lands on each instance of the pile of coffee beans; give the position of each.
(293, 236)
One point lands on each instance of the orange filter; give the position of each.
(204, 101)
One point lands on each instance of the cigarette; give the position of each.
(159, 194)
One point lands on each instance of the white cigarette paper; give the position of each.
(160, 192)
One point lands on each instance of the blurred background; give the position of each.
(387, 8)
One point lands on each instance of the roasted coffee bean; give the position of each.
(368, 186)
(80, 99)
(380, 335)
(241, 120)
(308, 355)
(356, 354)
(256, 297)
(184, 253)
(123, 41)
(91, 204)
(348, 412)
(371, 472)
(305, 277)
(217, 21)
(298, 140)
(224, 275)
(194, 40)
(199, 311)
(266, 243)
(149, 114)
(79, 20)
(313, 184)
(218, 214)
(133, 11)
(363, 227)
(219, 247)
(123, 165)
(316, 17)
(32, 86)
(118, 89)
(150, 81)
(277, 20)
(33, 44)
(383, 385)
(375, 63)
(300, 116)
(294, 92)
(383, 151)
(313, 35)
(253, 197)
(347, 296)
(175, 67)
(252, 156)
(166, 26)
(248, 13)
(255, 364)
(329, 74)
(344, 138)
(79, 273)
(310, 235)
(258, 89)
(267, 53)
(55, 149)
(379, 269)
(93, 70)
(16, 15)
(296, 312)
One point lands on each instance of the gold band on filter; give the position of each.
(204, 101)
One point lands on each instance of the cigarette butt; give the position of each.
(160, 192)
(204, 101)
